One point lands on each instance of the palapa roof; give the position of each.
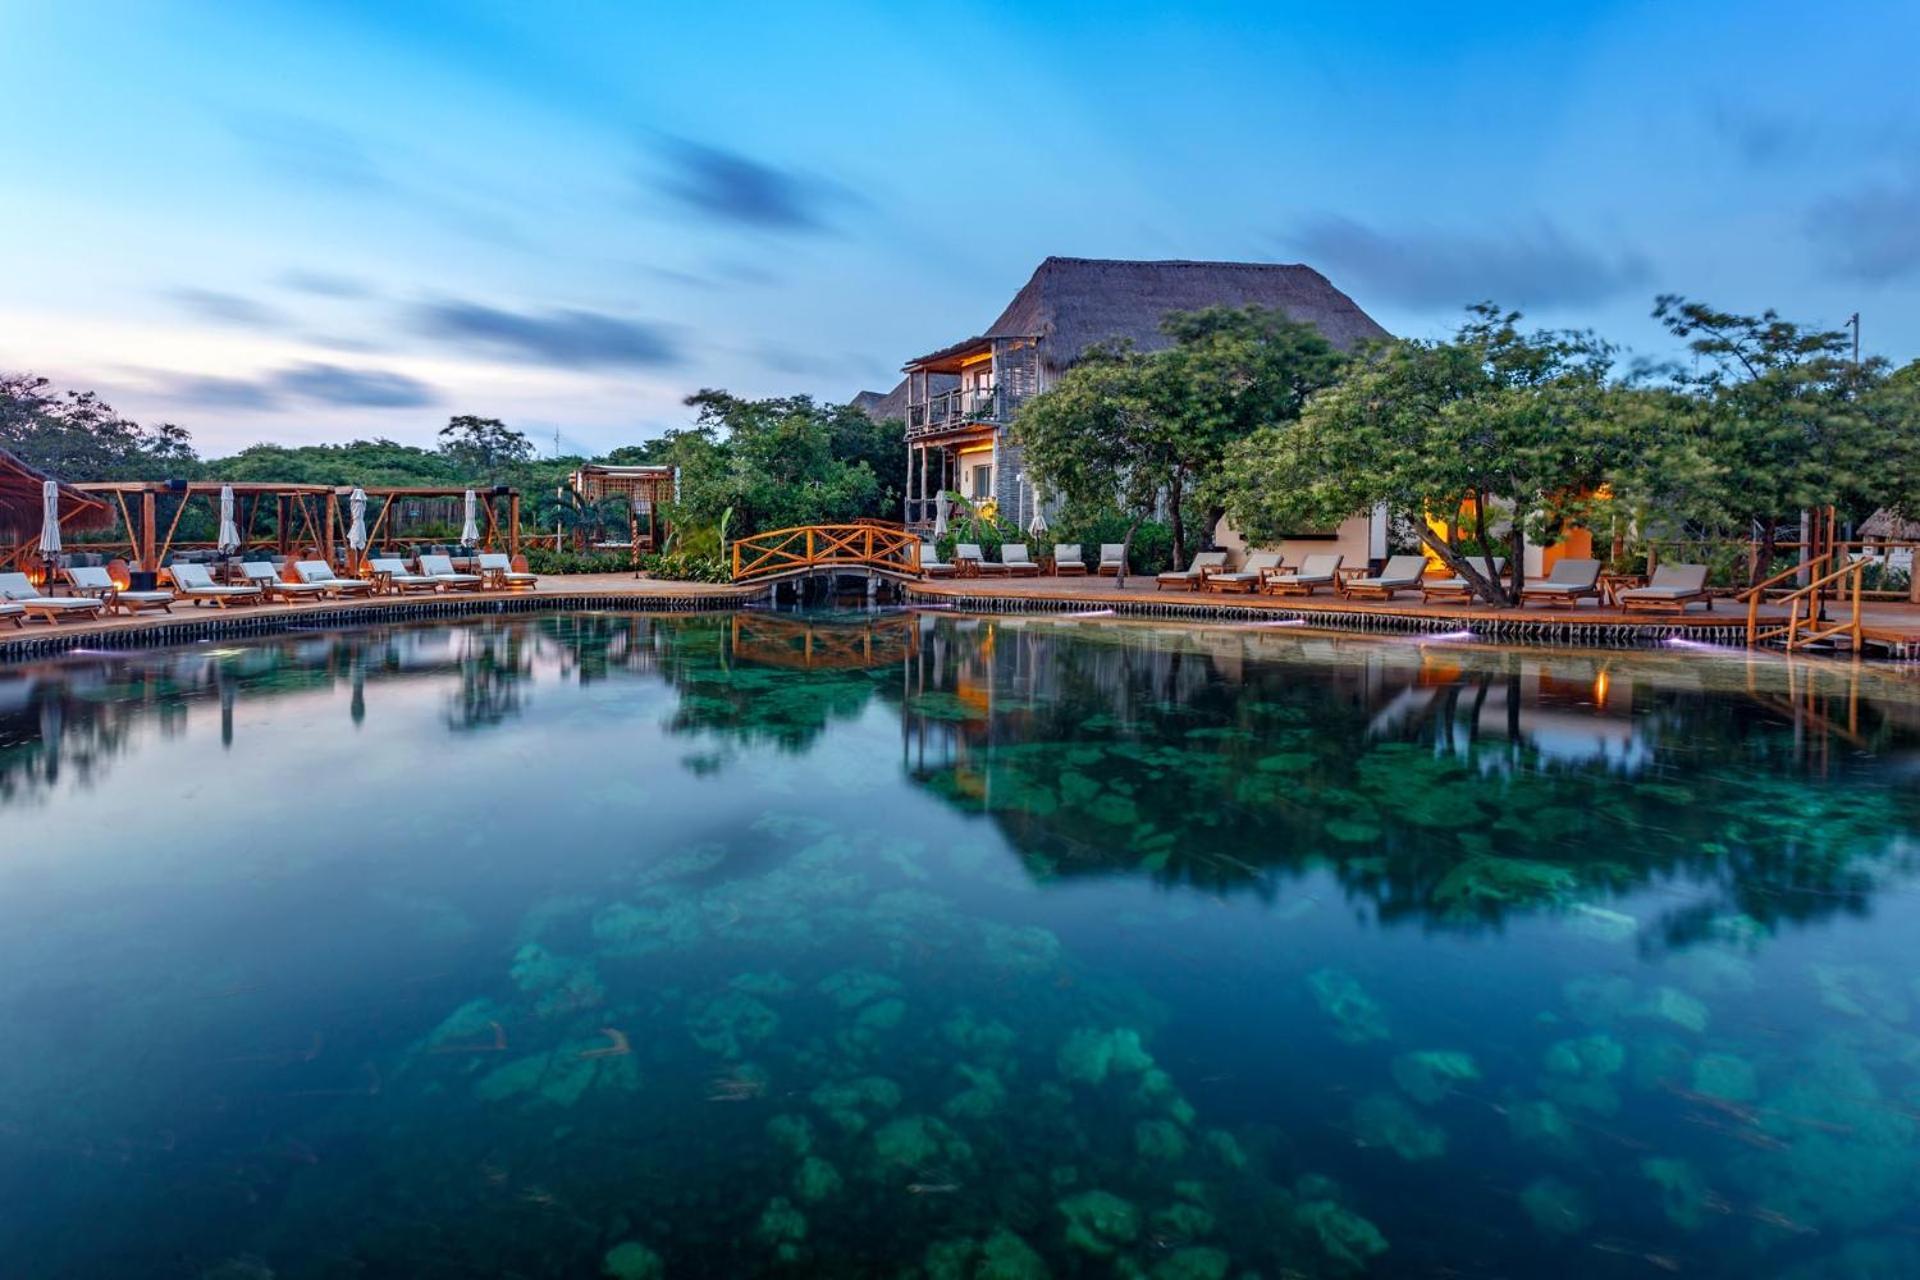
(1072, 303)
(1885, 524)
(20, 499)
(892, 405)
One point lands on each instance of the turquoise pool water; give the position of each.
(917, 945)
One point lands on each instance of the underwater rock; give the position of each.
(1555, 1207)
(852, 1104)
(1722, 1075)
(792, 1133)
(1340, 996)
(1022, 948)
(1090, 1056)
(631, 1260)
(1382, 1120)
(762, 984)
(1226, 1148)
(782, 1226)
(1860, 992)
(1580, 1072)
(1538, 1122)
(626, 928)
(983, 1096)
(1683, 1193)
(1159, 1141)
(1182, 1220)
(1670, 1004)
(881, 1015)
(537, 969)
(1347, 1238)
(522, 1075)
(912, 1142)
(1005, 1256)
(1430, 1074)
(1597, 1000)
(1715, 971)
(1099, 1222)
(967, 1032)
(950, 1259)
(851, 988)
(1197, 1262)
(729, 1022)
(816, 1180)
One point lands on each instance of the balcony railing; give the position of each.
(958, 408)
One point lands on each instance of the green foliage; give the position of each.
(77, 436)
(967, 524)
(583, 522)
(682, 566)
(781, 462)
(1090, 525)
(483, 447)
(542, 560)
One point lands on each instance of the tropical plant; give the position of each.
(582, 520)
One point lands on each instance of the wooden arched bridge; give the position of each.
(868, 549)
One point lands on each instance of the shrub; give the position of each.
(542, 560)
(1152, 550)
(681, 566)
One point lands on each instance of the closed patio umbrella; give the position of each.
(50, 519)
(357, 532)
(941, 506)
(470, 528)
(229, 539)
(1036, 527)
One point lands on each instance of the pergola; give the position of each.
(311, 516)
(21, 509)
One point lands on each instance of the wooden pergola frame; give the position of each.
(490, 524)
(306, 514)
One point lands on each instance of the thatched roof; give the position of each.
(20, 489)
(1072, 303)
(892, 406)
(1885, 524)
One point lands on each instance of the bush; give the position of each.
(680, 566)
(541, 560)
(1152, 550)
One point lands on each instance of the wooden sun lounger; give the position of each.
(319, 573)
(96, 582)
(931, 565)
(1013, 555)
(1458, 589)
(1568, 583)
(49, 609)
(193, 582)
(11, 611)
(1067, 561)
(1400, 573)
(1194, 576)
(500, 574)
(261, 573)
(1249, 577)
(440, 569)
(392, 576)
(1672, 588)
(1315, 571)
(1112, 559)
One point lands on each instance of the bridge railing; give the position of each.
(824, 546)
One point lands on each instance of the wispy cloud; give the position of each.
(1537, 267)
(325, 284)
(211, 392)
(1758, 137)
(225, 308)
(569, 337)
(1870, 234)
(333, 384)
(310, 150)
(737, 189)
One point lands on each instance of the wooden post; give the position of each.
(513, 523)
(149, 560)
(333, 517)
(283, 507)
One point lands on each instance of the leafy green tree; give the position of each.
(582, 521)
(483, 447)
(1517, 427)
(1229, 372)
(77, 436)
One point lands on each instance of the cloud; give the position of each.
(1757, 138)
(324, 284)
(334, 384)
(738, 189)
(799, 363)
(310, 150)
(220, 393)
(225, 308)
(1872, 234)
(1425, 268)
(577, 339)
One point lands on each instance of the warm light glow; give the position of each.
(1600, 686)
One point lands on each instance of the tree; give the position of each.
(1492, 421)
(1099, 436)
(483, 447)
(77, 436)
(582, 521)
(1227, 373)
(1786, 422)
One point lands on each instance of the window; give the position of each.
(982, 481)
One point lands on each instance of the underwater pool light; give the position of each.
(1447, 635)
(1090, 613)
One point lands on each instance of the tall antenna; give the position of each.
(1854, 321)
(556, 442)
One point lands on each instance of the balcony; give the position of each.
(949, 409)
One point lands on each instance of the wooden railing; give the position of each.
(1800, 632)
(823, 546)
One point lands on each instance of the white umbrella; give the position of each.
(357, 533)
(941, 505)
(229, 532)
(470, 528)
(50, 518)
(1036, 527)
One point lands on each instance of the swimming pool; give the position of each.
(906, 944)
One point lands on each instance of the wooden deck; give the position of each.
(1893, 630)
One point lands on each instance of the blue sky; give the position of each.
(304, 222)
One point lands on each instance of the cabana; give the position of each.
(391, 506)
(303, 518)
(22, 511)
(644, 489)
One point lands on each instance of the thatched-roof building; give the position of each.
(21, 490)
(1884, 524)
(958, 401)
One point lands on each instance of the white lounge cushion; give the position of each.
(440, 568)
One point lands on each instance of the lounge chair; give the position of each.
(15, 587)
(1459, 588)
(1018, 563)
(1673, 587)
(12, 611)
(1067, 560)
(320, 573)
(500, 574)
(1113, 558)
(93, 580)
(1194, 576)
(440, 569)
(1249, 576)
(931, 565)
(1316, 571)
(392, 575)
(1567, 583)
(262, 574)
(193, 582)
(971, 560)
(1400, 573)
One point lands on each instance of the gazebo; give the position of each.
(22, 510)
(304, 516)
(383, 521)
